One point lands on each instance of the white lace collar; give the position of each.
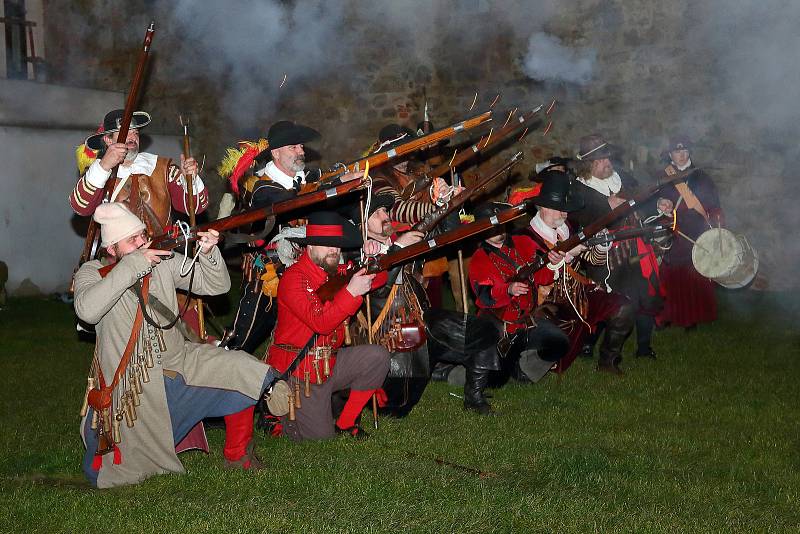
(552, 235)
(609, 186)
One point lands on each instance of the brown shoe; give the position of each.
(248, 462)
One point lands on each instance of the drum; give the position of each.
(724, 257)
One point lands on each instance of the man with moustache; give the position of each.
(310, 333)
(150, 370)
(636, 274)
(150, 185)
(280, 179)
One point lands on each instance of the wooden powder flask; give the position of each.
(162, 346)
(145, 374)
(307, 384)
(148, 354)
(297, 400)
(326, 361)
(89, 387)
(137, 384)
(292, 415)
(135, 400)
(115, 433)
(127, 414)
(315, 363)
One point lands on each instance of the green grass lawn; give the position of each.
(704, 439)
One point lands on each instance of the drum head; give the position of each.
(716, 253)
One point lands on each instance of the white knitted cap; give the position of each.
(116, 222)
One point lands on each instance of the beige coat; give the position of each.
(148, 448)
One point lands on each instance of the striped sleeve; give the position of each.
(85, 197)
(176, 184)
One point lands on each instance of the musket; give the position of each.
(176, 238)
(413, 145)
(601, 223)
(430, 220)
(90, 245)
(526, 271)
(329, 289)
(187, 153)
(492, 139)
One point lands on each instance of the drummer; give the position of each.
(690, 296)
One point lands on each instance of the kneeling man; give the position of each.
(144, 371)
(311, 331)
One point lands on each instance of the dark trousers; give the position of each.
(360, 368)
(255, 319)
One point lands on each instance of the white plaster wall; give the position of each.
(39, 234)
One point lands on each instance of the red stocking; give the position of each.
(352, 408)
(238, 433)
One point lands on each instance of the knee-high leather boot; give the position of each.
(618, 328)
(476, 382)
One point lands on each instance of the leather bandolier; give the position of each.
(398, 325)
(148, 198)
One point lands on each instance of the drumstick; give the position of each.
(692, 241)
(719, 225)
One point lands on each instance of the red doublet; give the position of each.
(301, 313)
(489, 273)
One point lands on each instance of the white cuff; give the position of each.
(604, 247)
(96, 176)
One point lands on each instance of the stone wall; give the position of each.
(652, 79)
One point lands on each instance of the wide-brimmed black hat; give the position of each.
(490, 209)
(111, 124)
(284, 133)
(557, 192)
(378, 201)
(593, 147)
(393, 135)
(555, 161)
(329, 229)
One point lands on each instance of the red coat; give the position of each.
(489, 273)
(301, 313)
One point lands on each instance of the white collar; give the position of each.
(276, 175)
(552, 235)
(609, 186)
(688, 164)
(145, 163)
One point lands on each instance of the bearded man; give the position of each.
(310, 333)
(151, 186)
(148, 374)
(632, 268)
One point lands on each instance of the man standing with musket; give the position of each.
(565, 296)
(310, 333)
(144, 371)
(151, 186)
(631, 268)
(690, 296)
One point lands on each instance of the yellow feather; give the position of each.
(83, 158)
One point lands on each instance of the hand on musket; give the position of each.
(351, 176)
(188, 167)
(208, 240)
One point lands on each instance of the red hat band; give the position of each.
(324, 230)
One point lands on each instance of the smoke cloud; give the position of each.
(548, 59)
